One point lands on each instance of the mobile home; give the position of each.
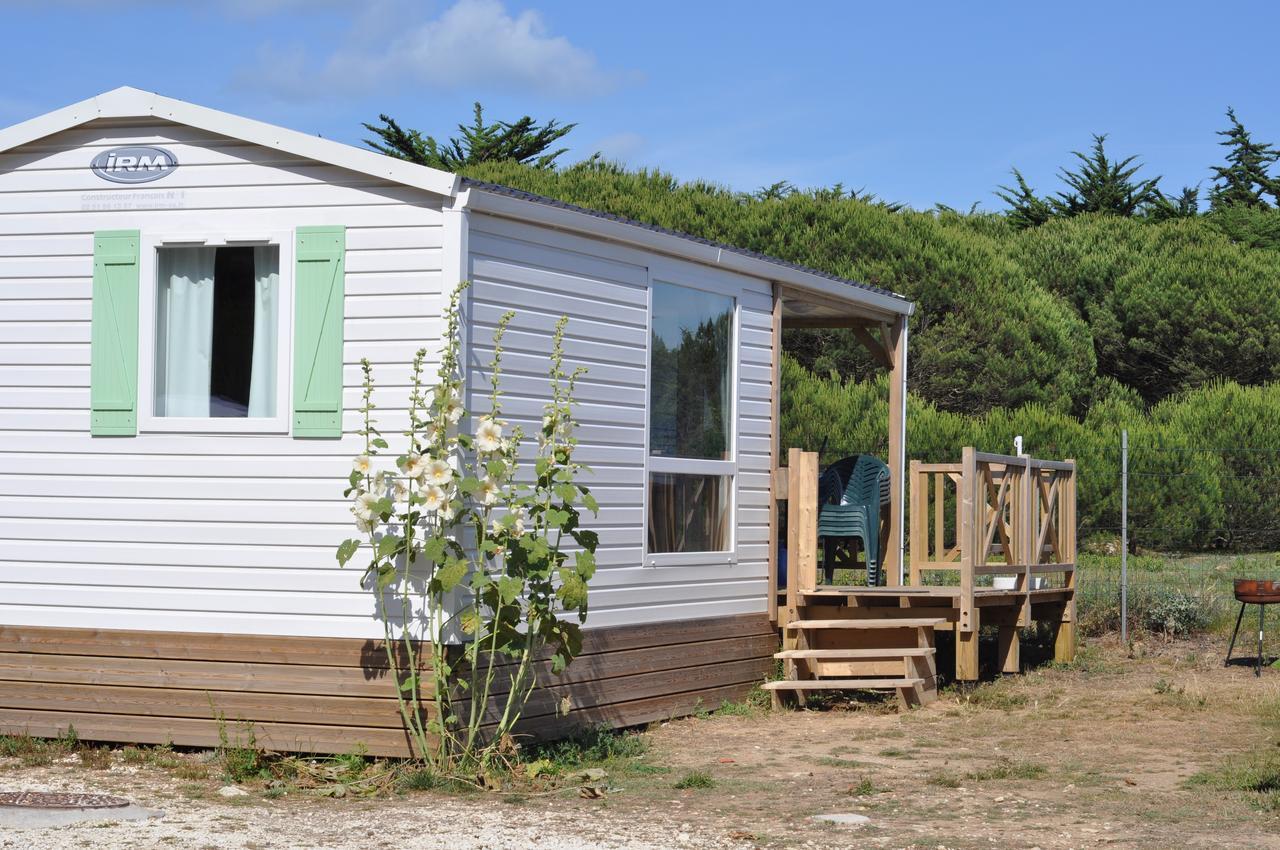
(185, 298)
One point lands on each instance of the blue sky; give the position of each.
(920, 103)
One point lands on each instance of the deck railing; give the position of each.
(995, 516)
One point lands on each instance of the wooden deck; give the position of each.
(988, 516)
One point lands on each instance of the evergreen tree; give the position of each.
(1244, 179)
(523, 141)
(1026, 208)
(1185, 204)
(1104, 185)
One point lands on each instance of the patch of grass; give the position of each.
(1000, 695)
(1005, 768)
(864, 788)
(1257, 778)
(831, 761)
(944, 780)
(191, 771)
(600, 746)
(754, 703)
(895, 753)
(95, 758)
(641, 769)
(32, 752)
(695, 779)
(423, 779)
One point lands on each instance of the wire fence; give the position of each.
(1191, 521)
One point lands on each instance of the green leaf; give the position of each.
(589, 502)
(556, 517)
(566, 492)
(586, 562)
(469, 484)
(346, 549)
(387, 576)
(542, 466)
(509, 589)
(355, 478)
(380, 444)
(496, 468)
(433, 549)
(469, 620)
(389, 545)
(572, 591)
(451, 573)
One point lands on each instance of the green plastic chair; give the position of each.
(856, 516)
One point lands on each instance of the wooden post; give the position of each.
(1010, 649)
(775, 450)
(896, 345)
(1064, 644)
(969, 534)
(803, 497)
(793, 547)
(967, 651)
(919, 519)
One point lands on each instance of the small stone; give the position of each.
(232, 791)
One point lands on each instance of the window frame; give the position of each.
(692, 278)
(148, 286)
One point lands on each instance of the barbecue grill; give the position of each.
(1260, 592)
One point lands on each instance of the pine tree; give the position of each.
(1026, 208)
(1244, 179)
(523, 141)
(1104, 185)
(1185, 204)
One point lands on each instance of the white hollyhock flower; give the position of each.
(489, 435)
(495, 528)
(362, 464)
(489, 490)
(439, 473)
(453, 410)
(364, 508)
(400, 491)
(517, 528)
(363, 526)
(447, 513)
(433, 499)
(434, 433)
(415, 466)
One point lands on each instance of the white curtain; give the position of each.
(185, 319)
(266, 290)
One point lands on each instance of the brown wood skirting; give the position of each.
(331, 695)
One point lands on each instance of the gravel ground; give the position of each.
(251, 823)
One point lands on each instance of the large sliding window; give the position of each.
(691, 416)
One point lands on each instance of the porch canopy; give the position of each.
(877, 318)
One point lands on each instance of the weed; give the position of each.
(1004, 768)
(831, 761)
(592, 747)
(95, 758)
(1000, 695)
(700, 711)
(945, 780)
(240, 762)
(191, 771)
(864, 788)
(425, 779)
(1163, 687)
(32, 752)
(1257, 778)
(894, 753)
(696, 779)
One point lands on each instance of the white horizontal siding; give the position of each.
(541, 274)
(189, 532)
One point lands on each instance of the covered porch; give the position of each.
(988, 540)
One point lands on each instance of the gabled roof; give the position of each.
(127, 102)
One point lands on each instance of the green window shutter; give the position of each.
(318, 289)
(113, 358)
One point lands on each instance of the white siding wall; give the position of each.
(185, 531)
(542, 273)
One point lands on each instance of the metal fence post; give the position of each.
(1124, 536)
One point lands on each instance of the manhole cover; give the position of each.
(59, 800)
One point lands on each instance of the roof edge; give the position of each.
(513, 203)
(128, 102)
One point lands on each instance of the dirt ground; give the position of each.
(1095, 755)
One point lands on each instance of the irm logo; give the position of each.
(133, 164)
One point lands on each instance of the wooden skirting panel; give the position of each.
(332, 695)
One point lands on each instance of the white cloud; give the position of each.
(473, 43)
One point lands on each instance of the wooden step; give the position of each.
(840, 684)
(895, 623)
(841, 654)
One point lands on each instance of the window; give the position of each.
(217, 320)
(691, 415)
